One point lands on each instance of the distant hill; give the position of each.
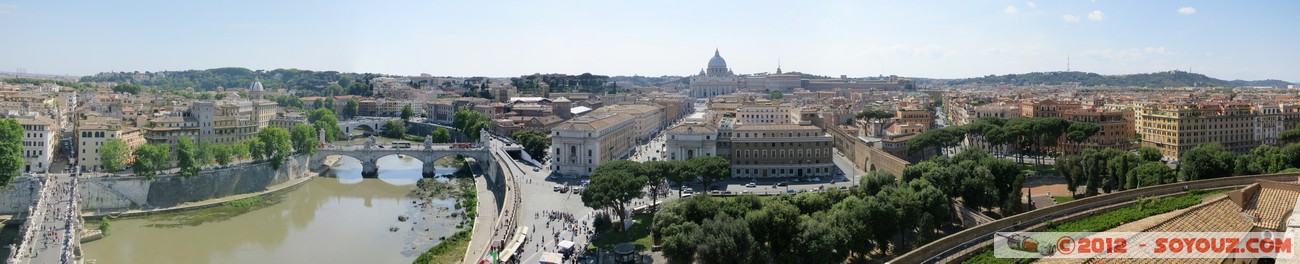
(1157, 79)
(308, 83)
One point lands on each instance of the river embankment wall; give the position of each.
(107, 194)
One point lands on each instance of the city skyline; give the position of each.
(954, 39)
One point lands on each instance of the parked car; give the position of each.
(750, 185)
(780, 184)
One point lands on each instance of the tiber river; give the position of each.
(343, 219)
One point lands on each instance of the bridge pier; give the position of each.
(369, 168)
(430, 170)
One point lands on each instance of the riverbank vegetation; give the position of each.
(451, 249)
(104, 226)
(219, 213)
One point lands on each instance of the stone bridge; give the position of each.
(367, 124)
(370, 153)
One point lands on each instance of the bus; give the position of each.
(401, 144)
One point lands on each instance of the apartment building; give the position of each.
(1269, 122)
(38, 142)
(1176, 128)
(780, 150)
(649, 118)
(1116, 130)
(1046, 108)
(91, 136)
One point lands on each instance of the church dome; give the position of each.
(257, 86)
(717, 61)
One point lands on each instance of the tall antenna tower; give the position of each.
(1067, 63)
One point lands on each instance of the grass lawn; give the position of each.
(1063, 199)
(639, 235)
(451, 250)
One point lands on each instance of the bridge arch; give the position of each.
(428, 157)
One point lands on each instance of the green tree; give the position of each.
(776, 95)
(113, 155)
(223, 154)
(656, 175)
(773, 226)
(407, 113)
(848, 216)
(679, 172)
(470, 122)
(204, 154)
(394, 129)
(881, 215)
(325, 119)
(243, 150)
(1150, 154)
(724, 239)
(441, 135)
(151, 158)
(820, 241)
(126, 88)
(1206, 162)
(1151, 173)
(351, 109)
(304, 139)
(1078, 132)
(710, 169)
(276, 145)
(1289, 135)
(872, 182)
(187, 157)
(613, 189)
(534, 142)
(679, 245)
(11, 150)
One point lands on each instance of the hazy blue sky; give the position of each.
(1224, 39)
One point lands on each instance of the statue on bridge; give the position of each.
(320, 137)
(428, 142)
(370, 144)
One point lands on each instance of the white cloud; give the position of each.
(1187, 10)
(1031, 4)
(1096, 15)
(6, 8)
(1070, 18)
(1010, 10)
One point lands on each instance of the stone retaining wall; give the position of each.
(121, 193)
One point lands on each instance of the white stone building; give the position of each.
(38, 143)
(691, 139)
(716, 80)
(582, 143)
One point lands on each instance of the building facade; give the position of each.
(581, 144)
(1116, 130)
(691, 139)
(1176, 128)
(38, 143)
(785, 150)
(715, 80)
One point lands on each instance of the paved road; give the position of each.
(539, 200)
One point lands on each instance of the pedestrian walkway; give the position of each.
(487, 216)
(51, 233)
